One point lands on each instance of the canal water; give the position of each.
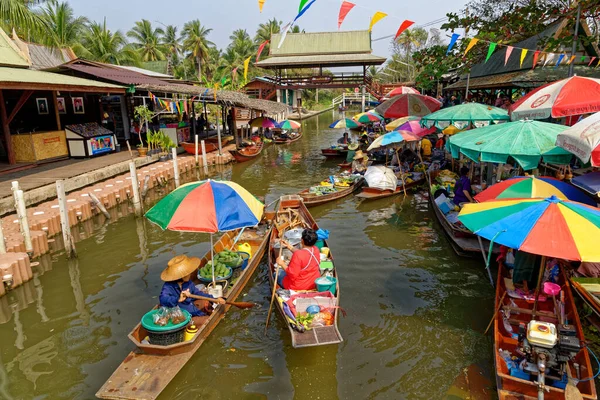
(415, 311)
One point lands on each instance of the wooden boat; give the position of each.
(337, 152)
(369, 193)
(247, 153)
(190, 148)
(312, 199)
(345, 165)
(148, 369)
(589, 290)
(516, 386)
(318, 336)
(278, 140)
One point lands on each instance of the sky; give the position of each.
(224, 16)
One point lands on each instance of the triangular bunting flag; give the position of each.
(260, 49)
(378, 16)
(571, 60)
(591, 61)
(560, 58)
(301, 6)
(404, 26)
(582, 59)
(549, 58)
(523, 54)
(284, 31)
(472, 43)
(453, 40)
(344, 10)
(246, 65)
(490, 51)
(535, 58)
(509, 50)
(305, 9)
(261, 3)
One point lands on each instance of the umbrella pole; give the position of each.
(539, 284)
(401, 173)
(212, 260)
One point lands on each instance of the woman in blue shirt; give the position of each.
(463, 193)
(179, 285)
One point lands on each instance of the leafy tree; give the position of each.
(196, 43)
(264, 32)
(146, 40)
(171, 45)
(101, 44)
(18, 15)
(63, 28)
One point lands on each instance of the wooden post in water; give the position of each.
(64, 220)
(219, 136)
(175, 167)
(2, 241)
(196, 148)
(22, 214)
(204, 160)
(99, 205)
(145, 186)
(135, 189)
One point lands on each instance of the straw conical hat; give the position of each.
(359, 154)
(353, 146)
(179, 266)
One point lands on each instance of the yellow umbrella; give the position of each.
(451, 130)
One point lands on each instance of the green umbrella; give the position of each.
(463, 115)
(525, 141)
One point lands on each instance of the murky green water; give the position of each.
(416, 312)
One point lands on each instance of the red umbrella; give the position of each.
(401, 90)
(572, 96)
(405, 105)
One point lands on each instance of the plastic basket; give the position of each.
(217, 278)
(166, 338)
(148, 322)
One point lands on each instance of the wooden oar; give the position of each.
(238, 304)
(281, 234)
(494, 316)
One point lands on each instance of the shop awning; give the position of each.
(27, 79)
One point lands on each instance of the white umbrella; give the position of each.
(583, 139)
(381, 177)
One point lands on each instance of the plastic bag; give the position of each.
(161, 318)
(323, 318)
(177, 315)
(322, 234)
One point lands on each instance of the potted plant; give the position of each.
(166, 143)
(144, 115)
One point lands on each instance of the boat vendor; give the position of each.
(359, 165)
(268, 134)
(178, 285)
(303, 269)
(463, 193)
(344, 139)
(426, 147)
(364, 141)
(351, 152)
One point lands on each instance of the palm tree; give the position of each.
(195, 42)
(264, 32)
(100, 44)
(63, 29)
(146, 40)
(17, 14)
(170, 42)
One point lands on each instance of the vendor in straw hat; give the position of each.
(179, 285)
(359, 165)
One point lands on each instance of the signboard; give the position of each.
(355, 90)
(101, 144)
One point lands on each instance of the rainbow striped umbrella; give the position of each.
(400, 121)
(392, 138)
(207, 206)
(416, 105)
(367, 117)
(263, 122)
(527, 187)
(345, 123)
(549, 227)
(289, 124)
(415, 128)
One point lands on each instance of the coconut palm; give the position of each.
(196, 43)
(100, 44)
(63, 28)
(171, 44)
(146, 40)
(17, 14)
(264, 32)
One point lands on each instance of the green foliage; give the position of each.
(63, 29)
(101, 44)
(144, 115)
(146, 40)
(17, 14)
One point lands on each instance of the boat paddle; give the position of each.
(238, 304)
(275, 280)
(494, 316)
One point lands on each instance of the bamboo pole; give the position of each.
(22, 214)
(175, 167)
(135, 190)
(145, 186)
(204, 160)
(401, 173)
(219, 135)
(99, 205)
(64, 220)
(196, 148)
(2, 241)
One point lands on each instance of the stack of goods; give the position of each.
(88, 130)
(222, 271)
(166, 315)
(445, 180)
(229, 258)
(341, 181)
(165, 325)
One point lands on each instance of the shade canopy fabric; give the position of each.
(589, 182)
(207, 206)
(263, 122)
(345, 123)
(549, 227)
(525, 141)
(380, 177)
(368, 117)
(393, 138)
(289, 124)
(416, 105)
(397, 122)
(571, 96)
(401, 90)
(528, 187)
(415, 128)
(583, 139)
(463, 115)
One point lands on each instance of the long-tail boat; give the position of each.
(314, 199)
(148, 369)
(247, 153)
(554, 339)
(335, 152)
(293, 206)
(370, 193)
(589, 290)
(287, 140)
(190, 148)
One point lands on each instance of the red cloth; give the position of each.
(303, 270)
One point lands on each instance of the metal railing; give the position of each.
(348, 98)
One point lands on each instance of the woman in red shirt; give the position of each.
(303, 269)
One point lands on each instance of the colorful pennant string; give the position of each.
(260, 49)
(523, 55)
(509, 50)
(404, 26)
(344, 10)
(246, 65)
(490, 51)
(378, 16)
(472, 43)
(535, 58)
(261, 3)
(453, 40)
